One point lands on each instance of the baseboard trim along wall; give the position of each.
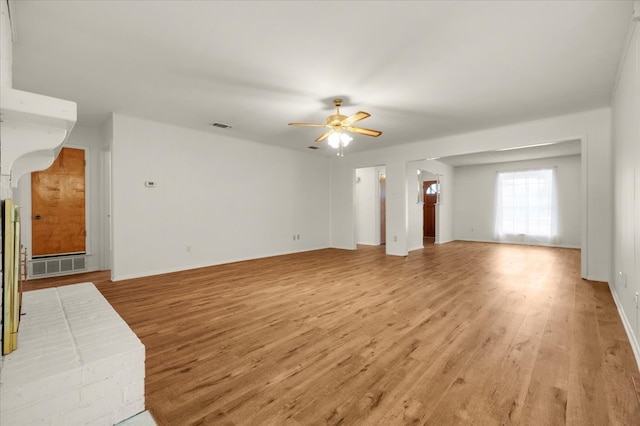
(522, 244)
(627, 326)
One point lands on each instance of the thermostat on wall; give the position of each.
(150, 184)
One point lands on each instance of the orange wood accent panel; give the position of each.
(58, 206)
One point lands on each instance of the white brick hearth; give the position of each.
(77, 362)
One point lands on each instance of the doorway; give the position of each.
(107, 237)
(430, 197)
(58, 220)
(383, 207)
(370, 196)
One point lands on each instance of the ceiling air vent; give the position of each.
(221, 125)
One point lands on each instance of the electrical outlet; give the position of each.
(395, 238)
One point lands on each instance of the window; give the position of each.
(434, 188)
(526, 206)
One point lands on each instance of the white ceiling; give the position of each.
(422, 69)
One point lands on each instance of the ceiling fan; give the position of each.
(338, 124)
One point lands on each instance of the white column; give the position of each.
(6, 80)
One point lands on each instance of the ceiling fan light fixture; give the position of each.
(334, 140)
(339, 125)
(337, 139)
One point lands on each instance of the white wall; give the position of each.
(625, 273)
(92, 141)
(592, 127)
(6, 44)
(217, 199)
(474, 198)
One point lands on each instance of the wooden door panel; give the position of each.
(429, 210)
(58, 206)
(429, 221)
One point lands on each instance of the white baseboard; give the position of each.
(627, 326)
(368, 243)
(530, 243)
(208, 264)
(443, 241)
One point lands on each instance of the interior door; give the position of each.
(383, 209)
(107, 238)
(58, 206)
(430, 197)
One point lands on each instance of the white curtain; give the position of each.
(527, 206)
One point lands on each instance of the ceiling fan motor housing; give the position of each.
(335, 120)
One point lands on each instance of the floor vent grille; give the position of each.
(52, 266)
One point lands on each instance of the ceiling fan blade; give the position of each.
(360, 115)
(363, 131)
(323, 136)
(307, 124)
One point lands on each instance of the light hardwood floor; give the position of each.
(460, 333)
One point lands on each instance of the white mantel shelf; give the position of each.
(33, 129)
